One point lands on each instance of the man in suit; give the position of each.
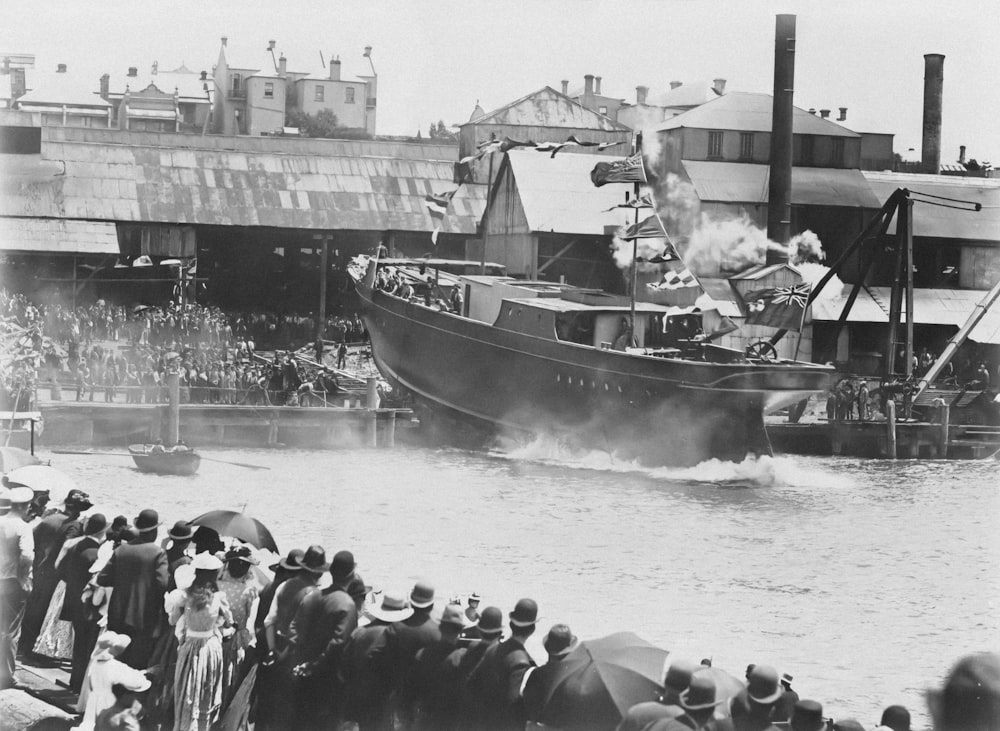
(675, 681)
(698, 702)
(495, 685)
(757, 707)
(432, 694)
(137, 573)
(75, 571)
(318, 635)
(558, 643)
(50, 533)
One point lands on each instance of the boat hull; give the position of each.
(164, 463)
(658, 410)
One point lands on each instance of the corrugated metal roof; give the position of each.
(60, 236)
(558, 195)
(189, 86)
(283, 185)
(940, 222)
(549, 108)
(686, 95)
(60, 88)
(751, 112)
(739, 182)
(828, 306)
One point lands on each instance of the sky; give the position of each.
(436, 60)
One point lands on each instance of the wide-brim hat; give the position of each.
(394, 608)
(454, 616)
(206, 561)
(111, 644)
(314, 560)
(291, 562)
(181, 531)
(78, 499)
(700, 694)
(422, 595)
(95, 524)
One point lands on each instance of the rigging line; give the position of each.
(940, 197)
(945, 205)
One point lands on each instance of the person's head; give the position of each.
(474, 600)
(522, 620)
(807, 716)
(763, 685)
(96, 526)
(289, 565)
(452, 623)
(238, 561)
(314, 563)
(559, 642)
(896, 718)
(76, 502)
(969, 700)
(786, 681)
(699, 700)
(422, 597)
(125, 697)
(342, 568)
(490, 624)
(750, 668)
(676, 679)
(20, 498)
(181, 533)
(146, 524)
(206, 574)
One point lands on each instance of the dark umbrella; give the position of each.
(13, 457)
(238, 525)
(599, 681)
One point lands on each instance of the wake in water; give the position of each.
(765, 471)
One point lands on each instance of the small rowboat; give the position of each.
(155, 458)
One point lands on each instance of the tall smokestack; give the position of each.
(779, 191)
(933, 88)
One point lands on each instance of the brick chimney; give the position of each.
(565, 86)
(961, 154)
(597, 85)
(719, 86)
(61, 68)
(105, 86)
(812, 110)
(335, 68)
(133, 71)
(933, 91)
(824, 113)
(843, 115)
(282, 66)
(588, 85)
(675, 84)
(640, 94)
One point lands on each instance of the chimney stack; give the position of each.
(812, 110)
(597, 85)
(843, 115)
(779, 189)
(105, 86)
(933, 90)
(961, 154)
(224, 40)
(271, 45)
(133, 71)
(719, 86)
(824, 113)
(282, 66)
(204, 76)
(61, 68)
(675, 84)
(588, 85)
(335, 68)
(565, 86)
(640, 94)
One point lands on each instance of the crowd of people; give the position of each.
(112, 354)
(193, 632)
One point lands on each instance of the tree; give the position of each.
(440, 131)
(323, 124)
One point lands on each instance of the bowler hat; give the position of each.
(763, 686)
(559, 641)
(422, 595)
(342, 565)
(490, 622)
(314, 560)
(182, 531)
(807, 716)
(95, 524)
(291, 562)
(454, 616)
(700, 693)
(525, 613)
(678, 675)
(147, 520)
(896, 717)
(393, 608)
(848, 724)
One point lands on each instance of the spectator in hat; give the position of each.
(754, 708)
(282, 570)
(206, 618)
(969, 699)
(367, 691)
(847, 724)
(17, 550)
(137, 573)
(104, 672)
(472, 611)
(432, 694)
(495, 685)
(276, 702)
(698, 703)
(807, 716)
(558, 643)
(675, 681)
(783, 709)
(318, 635)
(50, 533)
(895, 718)
(74, 570)
(178, 549)
(242, 591)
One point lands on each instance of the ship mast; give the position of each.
(637, 149)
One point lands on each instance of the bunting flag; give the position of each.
(781, 307)
(606, 145)
(649, 228)
(677, 280)
(484, 148)
(629, 170)
(643, 201)
(437, 206)
(509, 144)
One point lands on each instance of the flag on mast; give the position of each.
(437, 206)
(629, 170)
(649, 228)
(781, 307)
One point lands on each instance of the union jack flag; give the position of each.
(780, 307)
(629, 170)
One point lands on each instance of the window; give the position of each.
(268, 89)
(602, 110)
(320, 93)
(349, 95)
(746, 146)
(237, 82)
(838, 151)
(715, 144)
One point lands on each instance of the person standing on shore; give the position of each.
(17, 552)
(137, 572)
(75, 571)
(757, 706)
(432, 695)
(675, 681)
(558, 643)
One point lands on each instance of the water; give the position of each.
(864, 579)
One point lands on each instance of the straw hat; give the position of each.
(393, 609)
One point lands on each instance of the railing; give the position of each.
(206, 395)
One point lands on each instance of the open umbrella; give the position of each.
(599, 680)
(238, 525)
(13, 457)
(40, 477)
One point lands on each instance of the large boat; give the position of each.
(170, 461)
(534, 357)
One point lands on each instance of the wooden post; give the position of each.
(372, 392)
(389, 432)
(944, 413)
(371, 425)
(174, 407)
(890, 425)
(324, 263)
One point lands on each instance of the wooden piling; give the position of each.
(944, 412)
(890, 427)
(173, 407)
